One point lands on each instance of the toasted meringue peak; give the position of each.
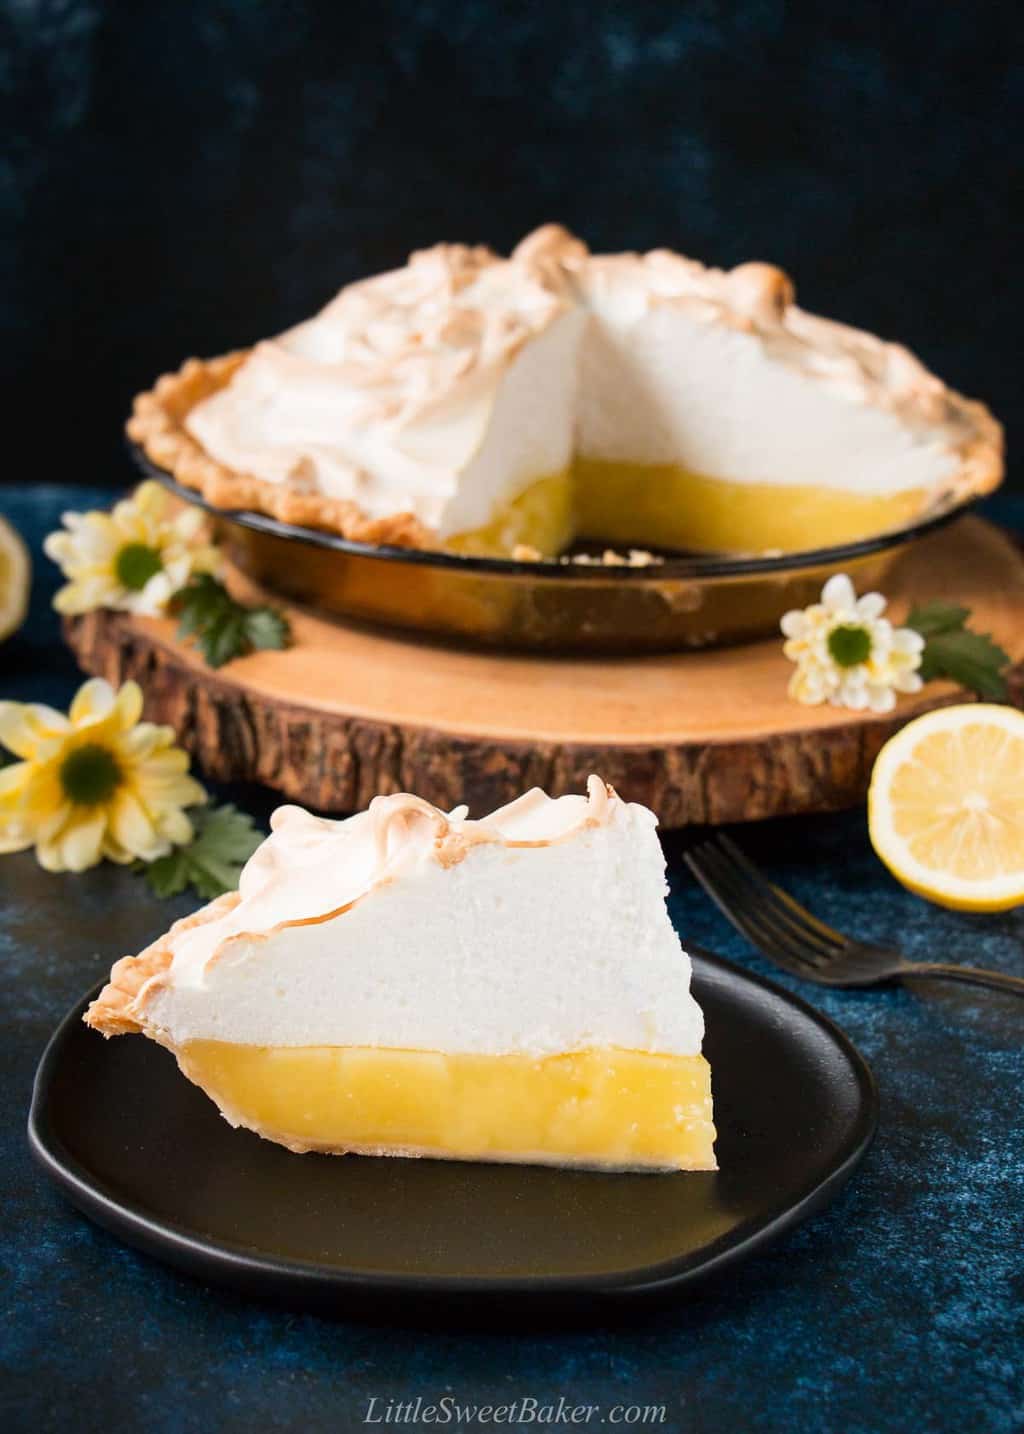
(552, 246)
(762, 291)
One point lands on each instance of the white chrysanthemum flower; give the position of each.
(134, 558)
(95, 783)
(847, 653)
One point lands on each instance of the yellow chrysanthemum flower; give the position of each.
(96, 783)
(134, 558)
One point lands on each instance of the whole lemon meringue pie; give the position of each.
(407, 982)
(482, 405)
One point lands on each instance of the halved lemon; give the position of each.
(15, 576)
(946, 806)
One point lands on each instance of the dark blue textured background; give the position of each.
(188, 177)
(899, 1309)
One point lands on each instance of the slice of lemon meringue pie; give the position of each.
(481, 404)
(407, 982)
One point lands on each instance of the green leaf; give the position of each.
(266, 628)
(934, 617)
(951, 650)
(200, 602)
(223, 627)
(971, 659)
(211, 864)
(167, 875)
(223, 639)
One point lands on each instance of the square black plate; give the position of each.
(146, 1154)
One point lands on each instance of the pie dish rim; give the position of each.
(674, 565)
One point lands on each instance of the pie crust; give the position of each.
(114, 1011)
(157, 425)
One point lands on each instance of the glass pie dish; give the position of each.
(579, 604)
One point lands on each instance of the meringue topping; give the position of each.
(312, 868)
(388, 396)
(421, 402)
(539, 928)
(722, 373)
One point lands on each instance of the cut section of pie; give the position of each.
(481, 404)
(407, 982)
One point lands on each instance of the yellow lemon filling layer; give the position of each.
(673, 508)
(540, 517)
(664, 506)
(596, 1107)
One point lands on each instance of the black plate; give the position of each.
(144, 1153)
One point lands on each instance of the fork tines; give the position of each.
(768, 917)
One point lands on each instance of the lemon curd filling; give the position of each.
(540, 517)
(665, 506)
(602, 1107)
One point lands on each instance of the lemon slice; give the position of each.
(946, 807)
(15, 574)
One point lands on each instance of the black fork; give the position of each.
(791, 936)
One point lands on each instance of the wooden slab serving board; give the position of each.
(699, 736)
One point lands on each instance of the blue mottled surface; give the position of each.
(900, 1308)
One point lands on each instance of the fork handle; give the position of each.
(972, 975)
